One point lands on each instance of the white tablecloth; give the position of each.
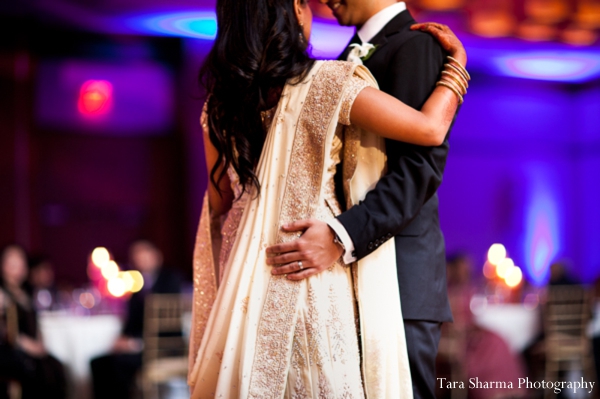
(75, 340)
(516, 324)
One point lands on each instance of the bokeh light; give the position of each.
(138, 281)
(44, 298)
(127, 280)
(87, 300)
(531, 301)
(110, 270)
(504, 267)
(489, 270)
(95, 97)
(514, 276)
(116, 287)
(100, 256)
(496, 254)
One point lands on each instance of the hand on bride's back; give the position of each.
(447, 39)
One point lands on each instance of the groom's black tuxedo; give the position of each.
(404, 203)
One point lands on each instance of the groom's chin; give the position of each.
(342, 20)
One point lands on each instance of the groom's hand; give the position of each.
(312, 253)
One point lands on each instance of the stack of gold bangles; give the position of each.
(456, 78)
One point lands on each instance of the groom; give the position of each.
(404, 203)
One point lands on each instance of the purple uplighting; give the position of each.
(105, 93)
(514, 58)
(572, 66)
(199, 24)
(94, 97)
(541, 244)
(327, 39)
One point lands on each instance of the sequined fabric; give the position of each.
(232, 220)
(355, 85)
(301, 199)
(269, 337)
(205, 281)
(325, 354)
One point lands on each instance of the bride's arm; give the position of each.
(388, 117)
(220, 198)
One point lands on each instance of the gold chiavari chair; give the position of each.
(164, 356)
(566, 316)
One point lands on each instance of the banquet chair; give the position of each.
(567, 347)
(164, 356)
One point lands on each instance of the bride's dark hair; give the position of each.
(259, 46)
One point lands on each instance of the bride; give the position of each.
(276, 125)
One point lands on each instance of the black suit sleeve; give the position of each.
(414, 173)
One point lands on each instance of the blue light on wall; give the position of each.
(195, 24)
(542, 227)
(327, 39)
(532, 60)
(566, 66)
(510, 57)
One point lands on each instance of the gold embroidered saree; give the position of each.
(255, 335)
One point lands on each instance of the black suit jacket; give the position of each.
(404, 203)
(167, 282)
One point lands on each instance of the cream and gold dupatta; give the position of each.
(241, 339)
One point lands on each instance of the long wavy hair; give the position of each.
(259, 47)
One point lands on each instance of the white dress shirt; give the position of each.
(367, 32)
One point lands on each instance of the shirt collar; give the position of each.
(378, 21)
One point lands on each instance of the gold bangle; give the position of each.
(449, 86)
(460, 66)
(454, 85)
(455, 69)
(458, 76)
(457, 80)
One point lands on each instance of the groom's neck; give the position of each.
(373, 7)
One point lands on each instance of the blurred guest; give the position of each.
(114, 374)
(26, 360)
(559, 274)
(468, 351)
(459, 276)
(459, 270)
(41, 283)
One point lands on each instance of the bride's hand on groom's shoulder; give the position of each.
(447, 39)
(311, 253)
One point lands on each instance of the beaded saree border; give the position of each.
(303, 185)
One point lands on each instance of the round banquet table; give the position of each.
(518, 325)
(75, 340)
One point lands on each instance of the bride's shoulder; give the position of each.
(336, 68)
(346, 71)
(337, 64)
